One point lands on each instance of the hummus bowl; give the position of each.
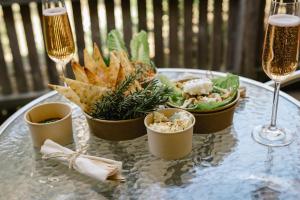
(173, 145)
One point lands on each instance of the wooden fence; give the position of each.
(221, 35)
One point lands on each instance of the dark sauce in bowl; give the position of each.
(46, 121)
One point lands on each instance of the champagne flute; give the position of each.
(279, 60)
(58, 35)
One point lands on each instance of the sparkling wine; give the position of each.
(58, 34)
(281, 46)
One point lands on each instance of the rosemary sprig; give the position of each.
(117, 106)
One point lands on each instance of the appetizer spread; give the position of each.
(115, 87)
(179, 121)
(203, 94)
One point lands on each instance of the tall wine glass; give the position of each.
(57, 32)
(279, 60)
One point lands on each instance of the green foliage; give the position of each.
(226, 82)
(176, 97)
(117, 106)
(164, 80)
(115, 41)
(139, 48)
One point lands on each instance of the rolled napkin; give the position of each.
(95, 167)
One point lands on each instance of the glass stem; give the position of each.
(275, 105)
(62, 74)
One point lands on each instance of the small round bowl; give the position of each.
(59, 131)
(116, 130)
(214, 120)
(169, 146)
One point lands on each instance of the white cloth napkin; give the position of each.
(99, 168)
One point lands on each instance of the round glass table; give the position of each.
(225, 165)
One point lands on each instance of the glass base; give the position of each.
(272, 136)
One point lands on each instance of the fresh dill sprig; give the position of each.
(118, 106)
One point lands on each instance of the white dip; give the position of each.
(198, 86)
(179, 121)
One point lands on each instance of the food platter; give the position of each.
(115, 91)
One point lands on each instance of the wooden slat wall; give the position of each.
(32, 51)
(5, 82)
(78, 29)
(250, 46)
(159, 54)
(260, 74)
(203, 35)
(217, 43)
(19, 70)
(142, 15)
(93, 7)
(238, 40)
(127, 24)
(110, 14)
(188, 33)
(173, 33)
(232, 34)
(21, 2)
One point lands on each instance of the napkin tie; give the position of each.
(71, 157)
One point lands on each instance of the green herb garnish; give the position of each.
(118, 106)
